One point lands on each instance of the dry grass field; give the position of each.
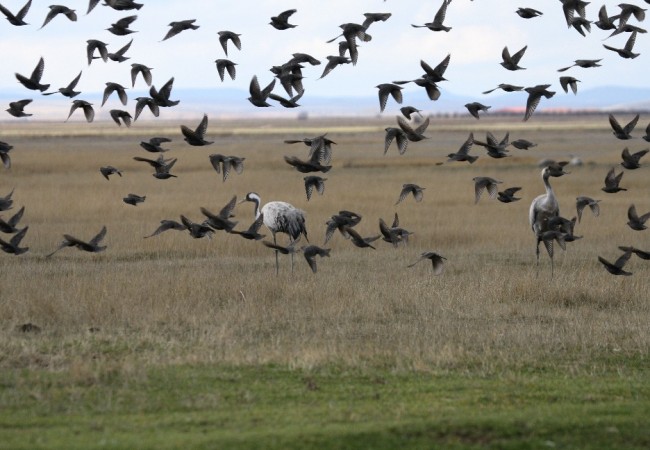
(172, 300)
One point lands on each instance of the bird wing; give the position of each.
(615, 125)
(98, 238)
(203, 126)
(38, 71)
(630, 126)
(623, 259)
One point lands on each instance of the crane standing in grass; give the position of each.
(543, 208)
(279, 217)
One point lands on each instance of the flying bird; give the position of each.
(463, 152)
(179, 26)
(511, 62)
(165, 225)
(483, 183)
(161, 97)
(17, 19)
(123, 5)
(225, 36)
(101, 47)
(437, 262)
(475, 107)
(640, 253)
(411, 189)
(508, 195)
(141, 102)
(87, 108)
(637, 222)
(625, 52)
(386, 89)
(197, 230)
(68, 91)
(141, 69)
(360, 241)
(314, 182)
(34, 81)
(91, 246)
(120, 116)
(107, 171)
(118, 89)
(569, 82)
(134, 199)
(260, 96)
(252, 232)
(153, 145)
(121, 27)
(612, 182)
(523, 144)
(620, 132)
(333, 62)
(310, 252)
(10, 226)
(584, 63)
(632, 161)
(528, 13)
(161, 166)
(224, 65)
(535, 94)
(221, 220)
(582, 202)
(16, 109)
(439, 18)
(281, 21)
(506, 88)
(13, 246)
(616, 268)
(55, 10)
(118, 56)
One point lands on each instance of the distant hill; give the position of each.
(233, 103)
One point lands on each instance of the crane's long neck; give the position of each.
(547, 185)
(257, 206)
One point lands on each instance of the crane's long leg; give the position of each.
(537, 253)
(277, 264)
(291, 243)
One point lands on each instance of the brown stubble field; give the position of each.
(172, 299)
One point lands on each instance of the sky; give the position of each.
(480, 30)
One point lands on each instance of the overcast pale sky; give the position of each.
(480, 30)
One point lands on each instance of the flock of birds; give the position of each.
(281, 217)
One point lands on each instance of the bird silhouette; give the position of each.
(17, 109)
(221, 220)
(118, 89)
(225, 36)
(637, 222)
(333, 62)
(10, 226)
(120, 116)
(528, 13)
(437, 262)
(495, 149)
(252, 232)
(281, 21)
(612, 182)
(223, 164)
(483, 183)
(178, 26)
(121, 27)
(101, 47)
(535, 94)
(508, 195)
(584, 63)
(439, 18)
(165, 225)
(91, 246)
(141, 103)
(617, 267)
(475, 107)
(523, 144)
(359, 241)
(640, 253)
(506, 88)
(258, 96)
(632, 161)
(196, 137)
(107, 171)
(55, 10)
(141, 69)
(625, 52)
(569, 82)
(386, 89)
(13, 246)
(224, 65)
(311, 165)
(161, 166)
(310, 252)
(197, 230)
(161, 97)
(123, 5)
(314, 182)
(118, 56)
(342, 221)
(153, 145)
(511, 62)
(411, 189)
(68, 91)
(582, 202)
(394, 234)
(34, 81)
(87, 108)
(17, 19)
(620, 132)
(4, 156)
(134, 199)
(6, 202)
(463, 152)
